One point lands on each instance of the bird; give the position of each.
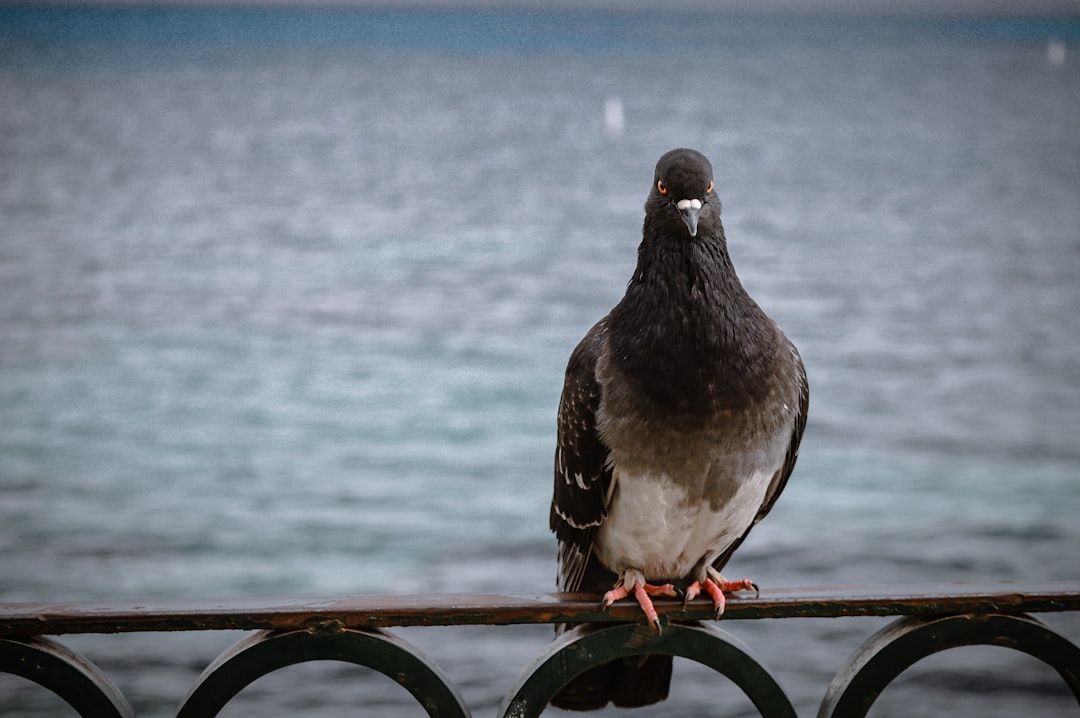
(679, 424)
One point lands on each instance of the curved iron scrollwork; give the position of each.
(893, 649)
(261, 653)
(576, 651)
(66, 674)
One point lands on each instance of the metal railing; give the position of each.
(932, 618)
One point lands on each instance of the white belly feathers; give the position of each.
(653, 527)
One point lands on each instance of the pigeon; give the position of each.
(679, 424)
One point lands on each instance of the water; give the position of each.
(286, 299)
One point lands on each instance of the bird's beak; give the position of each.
(689, 209)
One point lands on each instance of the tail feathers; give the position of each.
(627, 683)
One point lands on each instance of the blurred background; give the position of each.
(286, 297)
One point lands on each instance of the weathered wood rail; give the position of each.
(933, 617)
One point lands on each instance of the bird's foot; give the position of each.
(633, 582)
(716, 586)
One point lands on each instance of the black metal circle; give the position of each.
(66, 674)
(266, 651)
(893, 649)
(576, 652)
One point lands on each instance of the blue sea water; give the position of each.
(286, 297)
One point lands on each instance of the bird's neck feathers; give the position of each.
(670, 260)
(687, 287)
(686, 329)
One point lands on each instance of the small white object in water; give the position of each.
(1055, 53)
(614, 120)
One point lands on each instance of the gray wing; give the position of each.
(582, 473)
(780, 478)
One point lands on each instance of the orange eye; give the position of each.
(661, 186)
(710, 188)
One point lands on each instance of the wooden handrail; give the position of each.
(381, 611)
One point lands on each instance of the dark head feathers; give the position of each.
(682, 193)
(687, 174)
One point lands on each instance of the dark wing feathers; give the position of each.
(780, 479)
(582, 476)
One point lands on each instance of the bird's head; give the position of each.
(682, 194)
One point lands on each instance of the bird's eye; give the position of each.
(661, 186)
(709, 190)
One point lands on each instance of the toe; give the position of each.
(666, 590)
(616, 594)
